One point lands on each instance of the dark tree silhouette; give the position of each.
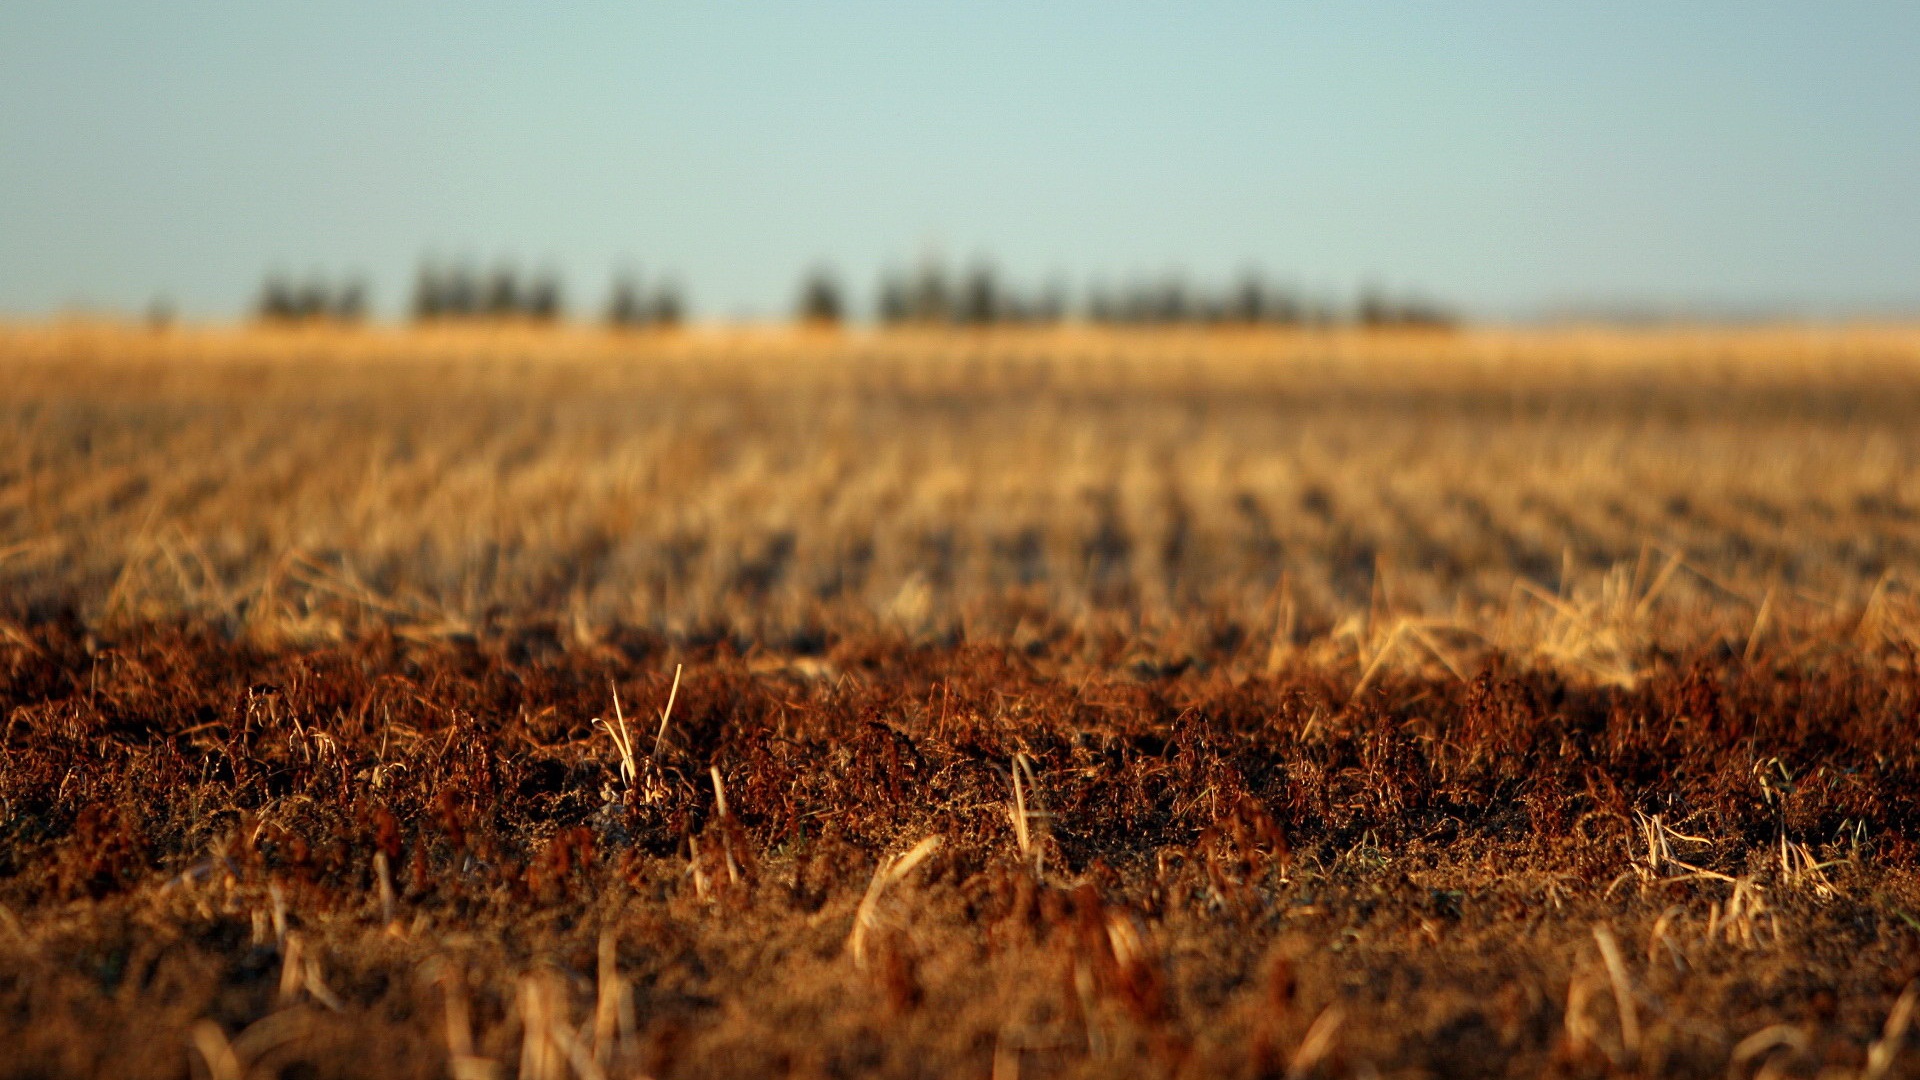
(931, 299)
(350, 303)
(1373, 309)
(894, 302)
(501, 299)
(625, 306)
(1249, 304)
(669, 305)
(1051, 305)
(429, 294)
(543, 302)
(1102, 308)
(276, 300)
(459, 294)
(820, 302)
(980, 299)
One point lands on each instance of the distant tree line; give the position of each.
(634, 305)
(460, 292)
(977, 297)
(931, 296)
(315, 299)
(1380, 309)
(927, 296)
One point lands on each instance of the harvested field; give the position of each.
(309, 482)
(1048, 704)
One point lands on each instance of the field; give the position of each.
(533, 701)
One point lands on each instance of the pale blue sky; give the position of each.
(1513, 157)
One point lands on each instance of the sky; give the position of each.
(1515, 159)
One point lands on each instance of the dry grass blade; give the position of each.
(1024, 781)
(541, 1055)
(1427, 641)
(1317, 1044)
(1660, 862)
(458, 1015)
(1881, 1055)
(1019, 815)
(1759, 628)
(622, 742)
(15, 635)
(293, 970)
(1736, 921)
(660, 737)
(701, 888)
(614, 1022)
(890, 871)
(1643, 606)
(549, 1045)
(1622, 990)
(300, 972)
(269, 1033)
(13, 925)
(1767, 1040)
(1379, 658)
(383, 881)
(1869, 628)
(1798, 867)
(217, 1052)
(725, 818)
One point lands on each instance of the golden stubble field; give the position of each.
(1000, 704)
(1562, 493)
